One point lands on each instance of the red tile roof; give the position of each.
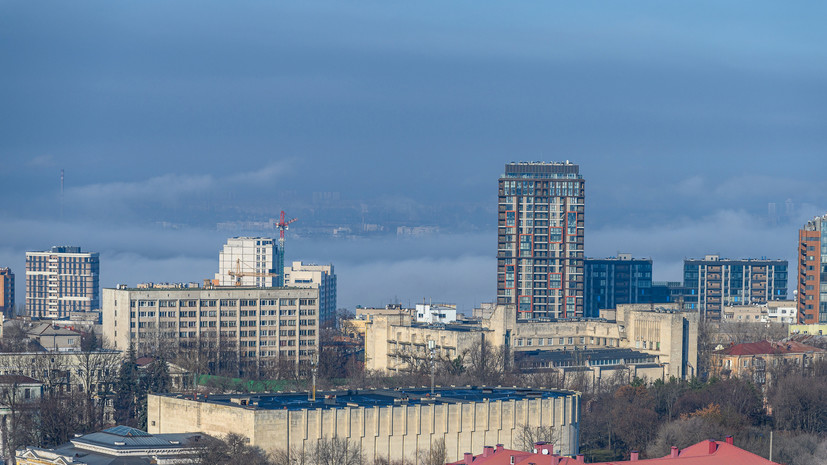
(767, 347)
(702, 453)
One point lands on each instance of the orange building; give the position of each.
(756, 359)
(812, 272)
(6, 291)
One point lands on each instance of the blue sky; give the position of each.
(686, 120)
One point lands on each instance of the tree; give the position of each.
(126, 391)
(232, 449)
(18, 426)
(527, 436)
(437, 454)
(337, 451)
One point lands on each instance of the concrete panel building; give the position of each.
(250, 262)
(62, 280)
(540, 239)
(712, 283)
(389, 424)
(321, 277)
(7, 292)
(252, 327)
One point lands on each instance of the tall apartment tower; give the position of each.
(6, 292)
(62, 280)
(712, 283)
(812, 271)
(617, 280)
(540, 239)
(322, 277)
(249, 261)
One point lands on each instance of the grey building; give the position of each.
(540, 223)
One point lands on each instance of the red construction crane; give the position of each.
(282, 226)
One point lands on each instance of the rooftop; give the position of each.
(703, 453)
(376, 398)
(768, 348)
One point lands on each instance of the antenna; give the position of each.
(61, 195)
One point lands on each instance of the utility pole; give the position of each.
(431, 347)
(314, 365)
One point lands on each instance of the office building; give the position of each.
(812, 272)
(616, 280)
(383, 424)
(7, 292)
(712, 283)
(321, 277)
(62, 280)
(248, 329)
(249, 261)
(540, 239)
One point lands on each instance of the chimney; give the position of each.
(730, 440)
(488, 451)
(581, 458)
(468, 458)
(543, 448)
(499, 448)
(712, 446)
(634, 456)
(675, 452)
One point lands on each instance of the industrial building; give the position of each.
(392, 424)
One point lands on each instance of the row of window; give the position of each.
(223, 303)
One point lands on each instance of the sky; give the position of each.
(170, 118)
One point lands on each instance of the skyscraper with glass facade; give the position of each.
(617, 280)
(540, 254)
(812, 271)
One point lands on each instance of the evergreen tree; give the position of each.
(127, 390)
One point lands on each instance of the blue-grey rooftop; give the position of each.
(375, 398)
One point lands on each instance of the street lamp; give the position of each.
(431, 346)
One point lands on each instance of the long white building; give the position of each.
(249, 261)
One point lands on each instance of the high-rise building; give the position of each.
(6, 291)
(238, 330)
(812, 271)
(249, 261)
(616, 280)
(62, 280)
(540, 239)
(712, 283)
(315, 276)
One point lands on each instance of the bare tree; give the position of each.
(233, 449)
(527, 436)
(337, 451)
(437, 454)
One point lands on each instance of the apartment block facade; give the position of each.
(322, 277)
(812, 272)
(249, 261)
(62, 280)
(248, 328)
(540, 257)
(712, 283)
(616, 280)
(7, 292)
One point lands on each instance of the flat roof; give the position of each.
(375, 397)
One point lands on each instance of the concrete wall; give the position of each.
(395, 432)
